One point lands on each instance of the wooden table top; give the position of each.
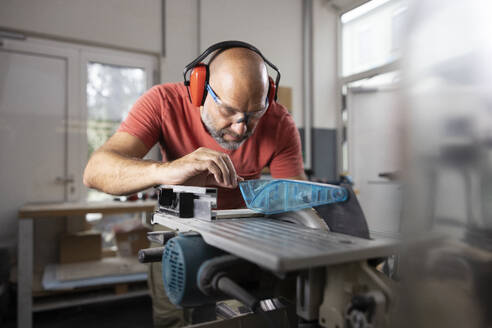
(35, 210)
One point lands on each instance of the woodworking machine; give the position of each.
(322, 255)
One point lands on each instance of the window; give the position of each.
(100, 85)
(111, 92)
(113, 83)
(371, 34)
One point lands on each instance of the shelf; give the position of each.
(77, 298)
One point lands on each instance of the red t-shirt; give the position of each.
(164, 114)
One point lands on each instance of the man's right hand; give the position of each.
(203, 167)
(117, 168)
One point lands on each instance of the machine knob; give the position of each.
(148, 255)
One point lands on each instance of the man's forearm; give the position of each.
(116, 174)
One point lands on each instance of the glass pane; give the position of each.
(111, 92)
(371, 35)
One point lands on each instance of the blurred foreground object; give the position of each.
(447, 220)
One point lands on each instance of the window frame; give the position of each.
(77, 56)
(88, 55)
(377, 70)
(343, 81)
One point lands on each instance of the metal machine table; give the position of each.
(281, 246)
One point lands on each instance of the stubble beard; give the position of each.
(218, 135)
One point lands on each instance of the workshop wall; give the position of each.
(132, 25)
(275, 27)
(326, 112)
(181, 38)
(325, 76)
(190, 26)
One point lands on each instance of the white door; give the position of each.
(373, 140)
(34, 117)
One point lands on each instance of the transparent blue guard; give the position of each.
(281, 195)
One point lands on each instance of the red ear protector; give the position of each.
(199, 75)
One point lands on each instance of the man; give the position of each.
(232, 137)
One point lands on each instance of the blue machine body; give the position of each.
(181, 260)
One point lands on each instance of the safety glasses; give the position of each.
(230, 113)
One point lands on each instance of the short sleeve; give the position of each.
(287, 159)
(144, 120)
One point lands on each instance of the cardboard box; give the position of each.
(284, 95)
(131, 241)
(110, 251)
(80, 247)
(76, 224)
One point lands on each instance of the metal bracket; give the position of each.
(309, 293)
(160, 237)
(187, 202)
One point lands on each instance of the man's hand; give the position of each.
(204, 167)
(117, 168)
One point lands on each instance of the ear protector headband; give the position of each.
(199, 75)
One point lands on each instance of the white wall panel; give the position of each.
(181, 28)
(120, 23)
(325, 81)
(274, 26)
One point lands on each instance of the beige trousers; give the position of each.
(165, 313)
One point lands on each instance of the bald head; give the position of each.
(239, 76)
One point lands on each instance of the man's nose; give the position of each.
(239, 128)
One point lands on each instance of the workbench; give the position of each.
(25, 249)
